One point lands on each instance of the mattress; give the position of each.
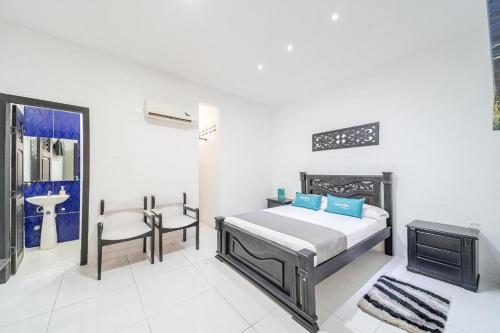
(355, 229)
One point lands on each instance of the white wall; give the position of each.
(236, 161)
(246, 159)
(209, 162)
(129, 157)
(435, 111)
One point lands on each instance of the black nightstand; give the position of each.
(444, 252)
(274, 202)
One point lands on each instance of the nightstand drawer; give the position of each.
(272, 204)
(441, 270)
(275, 202)
(449, 257)
(438, 241)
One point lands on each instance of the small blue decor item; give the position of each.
(309, 201)
(281, 194)
(345, 206)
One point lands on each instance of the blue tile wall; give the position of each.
(68, 226)
(66, 125)
(32, 230)
(38, 122)
(73, 203)
(54, 124)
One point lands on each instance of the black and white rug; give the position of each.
(402, 304)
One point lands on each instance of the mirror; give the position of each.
(50, 159)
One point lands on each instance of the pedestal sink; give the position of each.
(48, 240)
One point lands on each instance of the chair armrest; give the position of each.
(149, 218)
(190, 209)
(196, 211)
(149, 214)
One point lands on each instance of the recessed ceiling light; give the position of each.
(289, 47)
(260, 67)
(335, 16)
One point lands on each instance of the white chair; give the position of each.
(122, 222)
(167, 220)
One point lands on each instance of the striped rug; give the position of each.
(406, 306)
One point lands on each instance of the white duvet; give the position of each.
(355, 230)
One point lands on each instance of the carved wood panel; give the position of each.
(270, 268)
(358, 186)
(357, 136)
(367, 189)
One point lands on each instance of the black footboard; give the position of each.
(285, 275)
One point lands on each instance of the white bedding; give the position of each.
(356, 230)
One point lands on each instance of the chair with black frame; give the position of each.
(167, 219)
(122, 222)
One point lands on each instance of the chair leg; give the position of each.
(144, 244)
(99, 259)
(198, 236)
(153, 247)
(160, 245)
(184, 234)
(100, 227)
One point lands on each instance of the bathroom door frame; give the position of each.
(5, 146)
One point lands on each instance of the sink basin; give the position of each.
(44, 200)
(48, 239)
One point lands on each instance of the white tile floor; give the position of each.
(193, 292)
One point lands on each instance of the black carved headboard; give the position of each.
(376, 190)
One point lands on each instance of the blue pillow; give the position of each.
(309, 201)
(345, 206)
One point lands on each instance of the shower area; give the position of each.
(46, 168)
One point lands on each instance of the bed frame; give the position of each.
(289, 276)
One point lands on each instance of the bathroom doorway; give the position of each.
(209, 158)
(45, 149)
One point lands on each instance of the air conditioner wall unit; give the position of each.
(167, 112)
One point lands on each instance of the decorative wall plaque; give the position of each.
(494, 21)
(357, 136)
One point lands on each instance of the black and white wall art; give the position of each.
(494, 22)
(357, 136)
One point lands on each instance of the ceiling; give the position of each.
(220, 43)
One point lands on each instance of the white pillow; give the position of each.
(324, 202)
(374, 212)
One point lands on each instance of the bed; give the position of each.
(287, 266)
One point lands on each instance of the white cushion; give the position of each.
(374, 212)
(177, 221)
(124, 225)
